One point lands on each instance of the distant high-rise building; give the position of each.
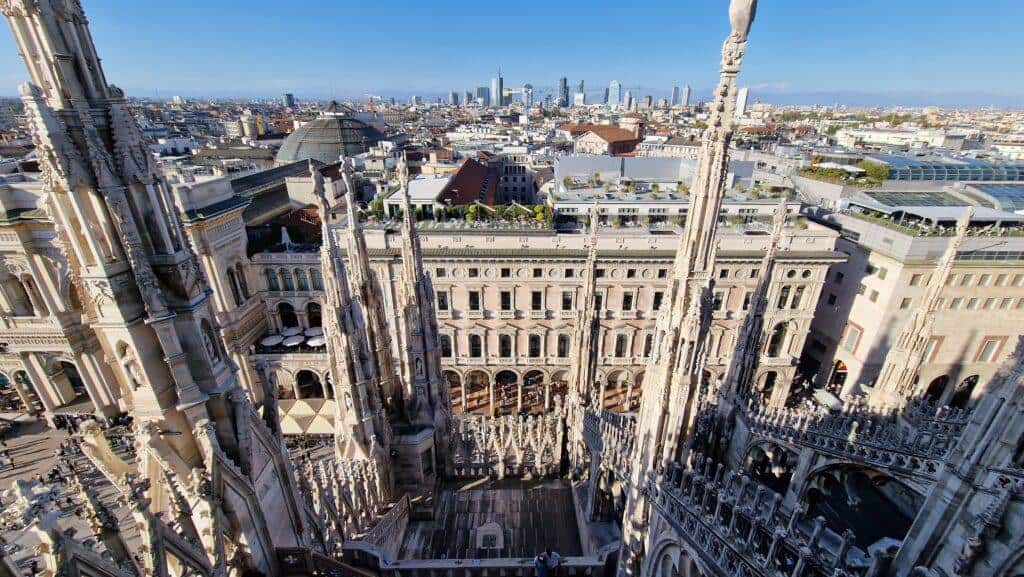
(579, 99)
(527, 97)
(483, 96)
(288, 99)
(453, 98)
(648, 100)
(497, 90)
(178, 100)
(467, 98)
(579, 88)
(563, 92)
(614, 93)
(742, 96)
(675, 95)
(416, 100)
(686, 95)
(605, 99)
(627, 102)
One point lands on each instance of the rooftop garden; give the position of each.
(873, 175)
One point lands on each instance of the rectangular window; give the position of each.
(989, 349)
(1005, 304)
(990, 304)
(631, 273)
(506, 273)
(1001, 280)
(831, 299)
(753, 273)
(984, 279)
(599, 273)
(930, 348)
(747, 296)
(474, 272)
(442, 301)
(566, 300)
(648, 344)
(839, 277)
(972, 304)
(956, 303)
(882, 272)
(873, 297)
(627, 301)
(656, 303)
(915, 279)
(951, 280)
(506, 300)
(534, 346)
(1018, 279)
(536, 300)
(537, 273)
(966, 280)
(852, 338)
(599, 302)
(474, 301)
(723, 273)
(662, 273)
(862, 289)
(440, 272)
(570, 272)
(905, 303)
(719, 301)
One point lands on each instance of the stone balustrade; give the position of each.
(872, 438)
(739, 527)
(518, 445)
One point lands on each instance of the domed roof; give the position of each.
(324, 138)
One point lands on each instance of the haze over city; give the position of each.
(872, 52)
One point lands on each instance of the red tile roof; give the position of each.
(472, 182)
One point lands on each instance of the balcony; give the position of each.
(538, 314)
(507, 314)
(567, 314)
(474, 314)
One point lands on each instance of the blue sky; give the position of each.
(860, 52)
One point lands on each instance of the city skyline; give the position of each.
(852, 60)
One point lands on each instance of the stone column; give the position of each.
(799, 478)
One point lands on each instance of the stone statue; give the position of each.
(741, 15)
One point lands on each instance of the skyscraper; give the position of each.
(605, 99)
(453, 98)
(686, 95)
(675, 95)
(483, 96)
(614, 93)
(497, 90)
(627, 102)
(563, 92)
(467, 97)
(288, 99)
(742, 96)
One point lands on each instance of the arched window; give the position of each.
(563, 346)
(318, 280)
(783, 297)
(233, 283)
(504, 346)
(535, 347)
(300, 279)
(309, 385)
(476, 346)
(272, 283)
(17, 295)
(286, 313)
(286, 280)
(777, 340)
(621, 342)
(313, 315)
(446, 346)
(798, 295)
(242, 283)
(211, 341)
